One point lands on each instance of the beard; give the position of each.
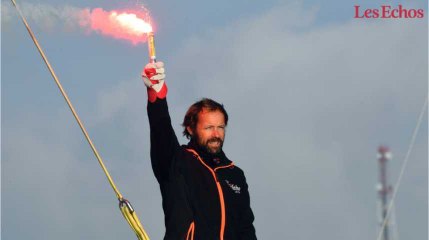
(212, 145)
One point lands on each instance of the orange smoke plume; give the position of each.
(129, 25)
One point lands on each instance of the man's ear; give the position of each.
(189, 129)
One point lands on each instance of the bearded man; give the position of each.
(204, 194)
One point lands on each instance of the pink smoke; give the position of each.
(129, 25)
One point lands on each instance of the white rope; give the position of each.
(395, 190)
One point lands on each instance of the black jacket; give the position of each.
(204, 197)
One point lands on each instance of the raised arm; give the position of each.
(163, 140)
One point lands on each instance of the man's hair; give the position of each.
(191, 117)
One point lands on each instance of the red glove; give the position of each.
(153, 76)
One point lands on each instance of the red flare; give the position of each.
(129, 25)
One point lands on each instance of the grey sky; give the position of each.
(311, 94)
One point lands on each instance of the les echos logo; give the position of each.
(387, 11)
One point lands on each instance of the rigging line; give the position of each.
(125, 207)
(51, 70)
(410, 147)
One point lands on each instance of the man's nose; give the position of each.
(216, 133)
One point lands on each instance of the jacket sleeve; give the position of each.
(247, 230)
(163, 140)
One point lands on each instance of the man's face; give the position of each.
(210, 130)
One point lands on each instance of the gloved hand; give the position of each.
(153, 76)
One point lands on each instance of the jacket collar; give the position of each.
(213, 160)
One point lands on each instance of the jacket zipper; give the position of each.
(191, 230)
(219, 189)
